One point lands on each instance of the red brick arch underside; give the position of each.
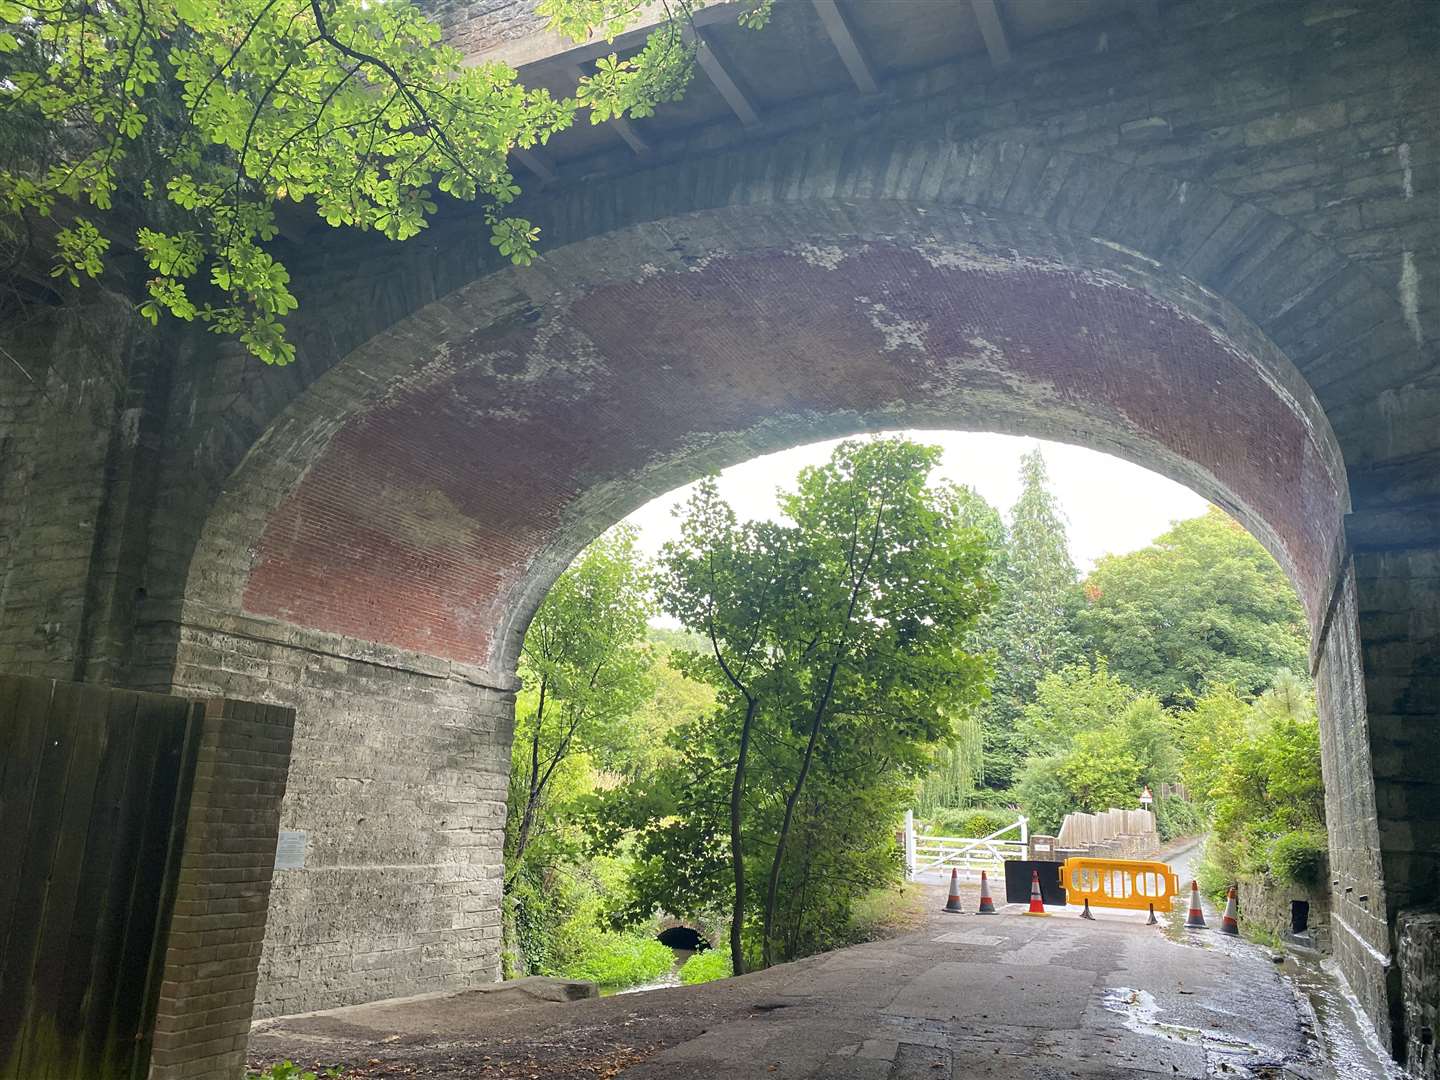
(488, 439)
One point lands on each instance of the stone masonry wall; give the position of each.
(207, 990)
(61, 402)
(475, 25)
(1419, 956)
(1265, 902)
(1360, 932)
(1398, 598)
(398, 778)
(1395, 539)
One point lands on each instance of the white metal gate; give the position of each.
(931, 858)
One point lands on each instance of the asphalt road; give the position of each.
(1011, 996)
(1006, 997)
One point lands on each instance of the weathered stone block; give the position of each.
(1418, 954)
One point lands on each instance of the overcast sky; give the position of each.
(1111, 506)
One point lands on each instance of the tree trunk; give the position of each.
(767, 952)
(532, 788)
(737, 791)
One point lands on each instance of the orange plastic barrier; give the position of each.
(1118, 883)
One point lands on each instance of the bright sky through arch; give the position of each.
(1111, 506)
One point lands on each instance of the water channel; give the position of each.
(670, 978)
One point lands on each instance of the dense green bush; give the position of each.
(614, 959)
(1094, 743)
(1176, 817)
(991, 800)
(1044, 795)
(706, 967)
(1300, 858)
(1217, 870)
(544, 905)
(1258, 765)
(973, 822)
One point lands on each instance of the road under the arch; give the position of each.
(1005, 997)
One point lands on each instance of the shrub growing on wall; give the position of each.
(1300, 858)
(1263, 782)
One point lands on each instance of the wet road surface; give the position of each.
(1007, 997)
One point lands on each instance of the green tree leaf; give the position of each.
(352, 110)
(1202, 606)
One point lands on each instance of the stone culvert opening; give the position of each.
(1299, 916)
(684, 938)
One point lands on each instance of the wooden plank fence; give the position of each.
(94, 789)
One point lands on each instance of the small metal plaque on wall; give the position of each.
(290, 851)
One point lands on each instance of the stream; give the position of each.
(670, 978)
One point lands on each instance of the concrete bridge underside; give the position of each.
(1201, 236)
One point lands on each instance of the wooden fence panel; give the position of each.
(93, 796)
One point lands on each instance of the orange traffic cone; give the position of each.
(1086, 913)
(952, 902)
(1037, 906)
(1152, 920)
(987, 905)
(1228, 924)
(1196, 919)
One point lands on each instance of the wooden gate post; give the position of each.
(909, 845)
(207, 992)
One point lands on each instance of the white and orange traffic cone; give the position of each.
(1037, 905)
(1086, 913)
(1228, 923)
(1196, 919)
(952, 902)
(987, 905)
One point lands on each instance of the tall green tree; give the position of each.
(180, 129)
(838, 649)
(1206, 733)
(1202, 606)
(959, 766)
(585, 671)
(735, 587)
(893, 588)
(1030, 629)
(1071, 700)
(642, 745)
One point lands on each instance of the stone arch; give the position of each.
(519, 318)
(1287, 295)
(408, 510)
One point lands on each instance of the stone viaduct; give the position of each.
(1203, 235)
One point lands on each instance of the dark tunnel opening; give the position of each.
(683, 937)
